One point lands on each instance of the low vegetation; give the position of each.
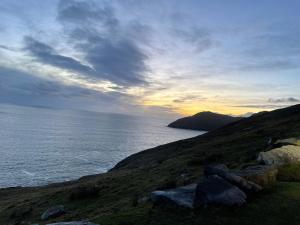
(289, 172)
(120, 196)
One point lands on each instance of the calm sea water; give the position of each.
(40, 146)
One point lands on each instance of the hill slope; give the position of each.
(205, 121)
(122, 190)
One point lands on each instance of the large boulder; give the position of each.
(216, 190)
(54, 211)
(182, 196)
(222, 171)
(287, 154)
(262, 175)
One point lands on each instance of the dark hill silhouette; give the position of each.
(206, 121)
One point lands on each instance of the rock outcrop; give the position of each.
(219, 186)
(54, 211)
(223, 172)
(284, 155)
(182, 196)
(216, 190)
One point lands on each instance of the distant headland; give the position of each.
(205, 121)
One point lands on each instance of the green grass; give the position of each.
(279, 205)
(289, 172)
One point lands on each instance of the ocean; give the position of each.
(40, 146)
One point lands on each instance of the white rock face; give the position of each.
(278, 156)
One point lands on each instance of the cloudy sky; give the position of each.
(151, 57)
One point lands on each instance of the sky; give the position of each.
(158, 57)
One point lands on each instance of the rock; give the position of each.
(223, 172)
(216, 190)
(211, 169)
(284, 155)
(53, 212)
(262, 175)
(182, 196)
(289, 141)
(73, 223)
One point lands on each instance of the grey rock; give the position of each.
(211, 169)
(53, 212)
(216, 190)
(284, 155)
(73, 223)
(263, 175)
(223, 172)
(182, 196)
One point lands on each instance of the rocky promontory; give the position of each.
(205, 121)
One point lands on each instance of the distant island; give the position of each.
(205, 121)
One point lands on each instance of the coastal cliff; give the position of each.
(121, 196)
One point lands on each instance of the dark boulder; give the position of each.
(182, 196)
(54, 211)
(216, 190)
(223, 172)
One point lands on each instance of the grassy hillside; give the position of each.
(121, 191)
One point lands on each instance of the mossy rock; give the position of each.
(289, 172)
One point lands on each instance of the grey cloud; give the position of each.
(46, 54)
(121, 62)
(273, 103)
(189, 98)
(86, 12)
(4, 47)
(24, 83)
(283, 43)
(22, 88)
(261, 106)
(269, 64)
(284, 100)
(276, 48)
(201, 38)
(98, 35)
